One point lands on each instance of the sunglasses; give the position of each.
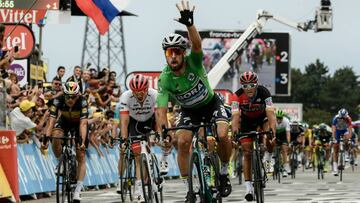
(249, 86)
(57, 84)
(70, 96)
(171, 51)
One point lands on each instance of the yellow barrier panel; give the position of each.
(5, 190)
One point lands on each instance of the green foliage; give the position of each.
(323, 94)
(317, 116)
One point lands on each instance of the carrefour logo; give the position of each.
(4, 140)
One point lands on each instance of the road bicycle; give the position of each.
(320, 154)
(66, 168)
(201, 166)
(151, 180)
(293, 159)
(127, 170)
(257, 166)
(278, 167)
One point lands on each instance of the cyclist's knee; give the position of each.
(222, 130)
(184, 140)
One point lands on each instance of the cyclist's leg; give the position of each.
(285, 151)
(81, 168)
(336, 152)
(248, 125)
(224, 150)
(58, 132)
(268, 156)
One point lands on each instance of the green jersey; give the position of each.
(189, 90)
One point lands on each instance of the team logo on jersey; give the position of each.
(191, 76)
(195, 95)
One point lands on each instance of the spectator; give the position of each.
(60, 73)
(112, 75)
(76, 77)
(54, 92)
(6, 57)
(20, 119)
(85, 78)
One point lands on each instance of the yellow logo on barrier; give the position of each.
(5, 190)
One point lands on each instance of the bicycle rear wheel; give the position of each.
(258, 178)
(157, 179)
(196, 182)
(146, 179)
(63, 185)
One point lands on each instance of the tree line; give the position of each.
(322, 93)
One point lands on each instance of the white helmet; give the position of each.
(174, 40)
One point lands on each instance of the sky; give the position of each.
(62, 43)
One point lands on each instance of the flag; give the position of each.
(102, 12)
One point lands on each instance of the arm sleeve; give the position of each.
(84, 109)
(196, 58)
(124, 100)
(54, 108)
(234, 103)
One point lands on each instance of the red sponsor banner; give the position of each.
(22, 16)
(8, 159)
(226, 93)
(21, 36)
(153, 77)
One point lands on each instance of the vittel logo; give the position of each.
(22, 36)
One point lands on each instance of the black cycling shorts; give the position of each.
(215, 109)
(71, 127)
(139, 128)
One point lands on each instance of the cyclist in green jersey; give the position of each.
(184, 81)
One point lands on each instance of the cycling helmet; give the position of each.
(279, 114)
(295, 123)
(139, 83)
(343, 113)
(248, 77)
(71, 88)
(323, 127)
(174, 40)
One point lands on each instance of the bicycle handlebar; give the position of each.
(253, 134)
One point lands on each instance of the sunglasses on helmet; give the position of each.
(170, 51)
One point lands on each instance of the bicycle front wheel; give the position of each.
(196, 182)
(63, 185)
(126, 178)
(214, 165)
(258, 177)
(342, 164)
(146, 178)
(157, 179)
(293, 163)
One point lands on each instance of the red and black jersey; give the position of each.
(251, 107)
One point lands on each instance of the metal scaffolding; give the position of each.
(105, 51)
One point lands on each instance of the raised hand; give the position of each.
(186, 15)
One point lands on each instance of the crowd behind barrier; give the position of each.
(37, 175)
